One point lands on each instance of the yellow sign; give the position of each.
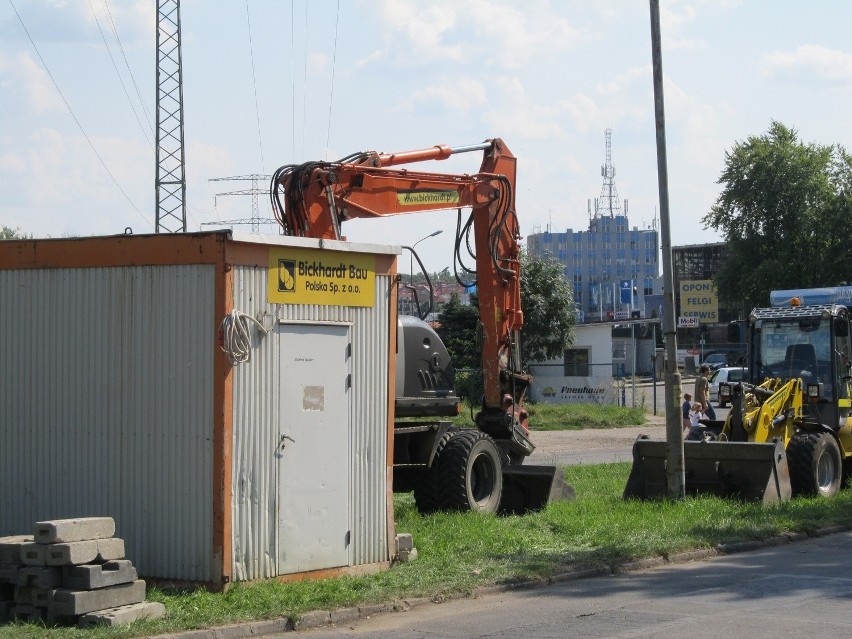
(427, 197)
(698, 300)
(331, 278)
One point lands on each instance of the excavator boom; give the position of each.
(314, 199)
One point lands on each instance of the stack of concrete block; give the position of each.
(71, 571)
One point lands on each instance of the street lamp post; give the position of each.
(411, 262)
(411, 257)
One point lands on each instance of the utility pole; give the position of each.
(675, 473)
(254, 192)
(170, 180)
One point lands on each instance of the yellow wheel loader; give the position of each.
(789, 431)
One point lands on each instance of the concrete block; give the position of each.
(123, 614)
(44, 577)
(33, 554)
(71, 553)
(93, 576)
(404, 541)
(6, 610)
(109, 549)
(40, 597)
(23, 596)
(28, 613)
(78, 602)
(9, 573)
(78, 529)
(10, 548)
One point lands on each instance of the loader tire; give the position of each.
(470, 476)
(426, 489)
(815, 465)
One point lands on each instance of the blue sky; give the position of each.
(330, 78)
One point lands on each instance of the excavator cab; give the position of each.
(789, 431)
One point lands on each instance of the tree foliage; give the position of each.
(459, 330)
(7, 233)
(547, 300)
(784, 213)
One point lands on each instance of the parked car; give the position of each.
(716, 360)
(725, 374)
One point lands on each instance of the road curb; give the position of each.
(321, 618)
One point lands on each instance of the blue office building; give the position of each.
(614, 268)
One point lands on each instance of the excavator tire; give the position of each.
(427, 492)
(469, 473)
(815, 465)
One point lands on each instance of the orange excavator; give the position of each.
(314, 199)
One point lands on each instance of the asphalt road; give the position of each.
(793, 590)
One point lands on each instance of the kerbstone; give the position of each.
(76, 553)
(73, 553)
(123, 614)
(79, 602)
(33, 554)
(110, 549)
(10, 548)
(78, 529)
(43, 577)
(9, 573)
(93, 576)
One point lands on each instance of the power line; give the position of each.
(120, 79)
(254, 84)
(127, 64)
(71, 111)
(333, 68)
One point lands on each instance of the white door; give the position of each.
(314, 448)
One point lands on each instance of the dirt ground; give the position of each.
(598, 445)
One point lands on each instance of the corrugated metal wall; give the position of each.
(106, 407)
(257, 427)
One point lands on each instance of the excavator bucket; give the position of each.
(527, 488)
(743, 470)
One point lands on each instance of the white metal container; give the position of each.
(117, 400)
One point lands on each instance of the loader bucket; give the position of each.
(744, 470)
(527, 488)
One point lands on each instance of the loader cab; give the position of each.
(806, 342)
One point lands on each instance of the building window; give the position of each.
(577, 362)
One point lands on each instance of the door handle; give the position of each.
(282, 441)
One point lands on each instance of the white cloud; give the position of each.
(456, 94)
(22, 80)
(809, 63)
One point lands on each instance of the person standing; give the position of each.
(684, 410)
(702, 391)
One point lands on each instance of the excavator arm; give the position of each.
(315, 198)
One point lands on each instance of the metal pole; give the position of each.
(675, 473)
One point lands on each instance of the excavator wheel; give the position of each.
(815, 465)
(426, 489)
(469, 473)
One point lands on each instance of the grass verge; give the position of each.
(461, 551)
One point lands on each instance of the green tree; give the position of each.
(547, 300)
(7, 233)
(783, 212)
(459, 330)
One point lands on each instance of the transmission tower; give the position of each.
(608, 203)
(254, 192)
(170, 181)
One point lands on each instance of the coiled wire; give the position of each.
(235, 332)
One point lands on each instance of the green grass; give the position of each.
(568, 416)
(461, 551)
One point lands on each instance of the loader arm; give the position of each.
(319, 196)
(774, 417)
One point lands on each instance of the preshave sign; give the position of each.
(308, 276)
